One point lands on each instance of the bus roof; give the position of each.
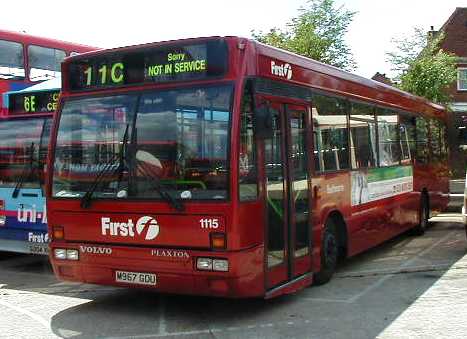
(46, 42)
(361, 87)
(315, 74)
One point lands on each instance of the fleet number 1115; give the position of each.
(209, 223)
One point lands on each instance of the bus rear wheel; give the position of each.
(424, 216)
(329, 254)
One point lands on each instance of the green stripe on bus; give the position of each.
(388, 173)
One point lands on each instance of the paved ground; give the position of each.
(411, 287)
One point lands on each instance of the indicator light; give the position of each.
(58, 233)
(218, 241)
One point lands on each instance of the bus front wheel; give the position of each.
(329, 254)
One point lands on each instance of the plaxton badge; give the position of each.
(170, 254)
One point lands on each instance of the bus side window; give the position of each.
(435, 140)
(362, 136)
(444, 142)
(330, 134)
(389, 148)
(422, 155)
(407, 137)
(248, 179)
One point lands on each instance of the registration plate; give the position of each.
(135, 278)
(39, 249)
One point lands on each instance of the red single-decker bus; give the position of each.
(222, 166)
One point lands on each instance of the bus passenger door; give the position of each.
(287, 195)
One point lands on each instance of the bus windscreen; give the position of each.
(141, 143)
(166, 63)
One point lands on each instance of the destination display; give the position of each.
(150, 65)
(33, 102)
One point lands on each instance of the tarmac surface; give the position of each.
(409, 287)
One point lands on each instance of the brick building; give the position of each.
(455, 41)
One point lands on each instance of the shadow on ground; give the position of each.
(358, 303)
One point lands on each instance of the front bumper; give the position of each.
(175, 269)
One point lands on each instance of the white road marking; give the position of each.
(326, 300)
(404, 265)
(21, 310)
(162, 322)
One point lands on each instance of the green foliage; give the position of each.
(317, 32)
(423, 68)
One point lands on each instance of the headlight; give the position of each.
(72, 254)
(212, 264)
(60, 253)
(204, 264)
(220, 265)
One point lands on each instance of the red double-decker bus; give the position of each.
(221, 166)
(26, 59)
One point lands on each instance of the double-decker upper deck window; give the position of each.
(11, 60)
(462, 79)
(330, 133)
(44, 63)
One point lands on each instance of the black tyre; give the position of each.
(329, 254)
(424, 216)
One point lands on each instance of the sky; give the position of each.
(104, 23)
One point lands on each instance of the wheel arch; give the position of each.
(342, 232)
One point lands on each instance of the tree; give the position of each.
(317, 32)
(422, 67)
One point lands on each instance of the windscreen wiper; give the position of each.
(156, 184)
(108, 166)
(27, 171)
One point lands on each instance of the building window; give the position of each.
(462, 79)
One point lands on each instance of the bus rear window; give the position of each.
(11, 60)
(44, 63)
